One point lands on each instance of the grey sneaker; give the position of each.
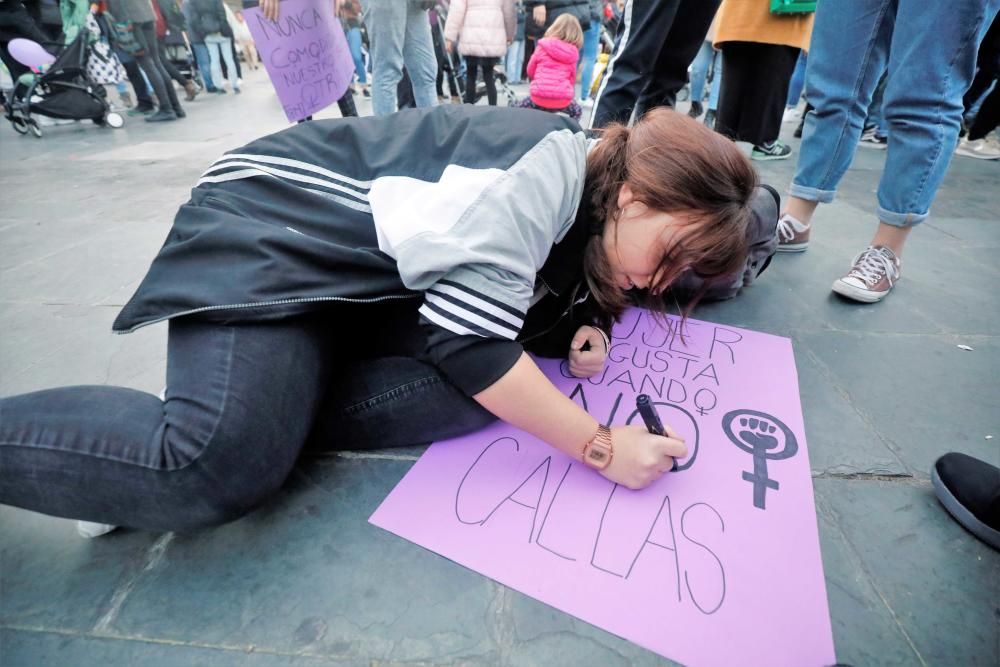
(773, 150)
(875, 271)
(793, 236)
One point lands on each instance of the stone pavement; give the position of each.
(306, 580)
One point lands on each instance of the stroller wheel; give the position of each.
(114, 120)
(20, 126)
(33, 126)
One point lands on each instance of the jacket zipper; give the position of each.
(278, 302)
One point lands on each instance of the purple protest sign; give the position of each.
(305, 54)
(716, 564)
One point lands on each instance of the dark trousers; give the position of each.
(988, 116)
(472, 63)
(656, 41)
(142, 98)
(149, 61)
(987, 66)
(168, 67)
(754, 88)
(241, 404)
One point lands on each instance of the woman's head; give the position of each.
(567, 28)
(675, 196)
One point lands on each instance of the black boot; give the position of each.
(696, 109)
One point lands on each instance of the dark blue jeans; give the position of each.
(241, 403)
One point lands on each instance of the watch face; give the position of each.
(598, 456)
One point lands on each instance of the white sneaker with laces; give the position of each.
(982, 149)
(875, 271)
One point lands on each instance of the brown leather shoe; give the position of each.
(191, 90)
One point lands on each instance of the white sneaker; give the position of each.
(791, 115)
(982, 149)
(90, 530)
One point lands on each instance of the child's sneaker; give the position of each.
(91, 530)
(793, 235)
(772, 150)
(875, 271)
(982, 149)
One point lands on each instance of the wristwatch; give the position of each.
(598, 452)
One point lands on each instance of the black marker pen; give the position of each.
(651, 418)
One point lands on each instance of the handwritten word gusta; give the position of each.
(562, 515)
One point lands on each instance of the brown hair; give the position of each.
(567, 28)
(675, 165)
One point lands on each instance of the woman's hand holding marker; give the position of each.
(640, 457)
(590, 362)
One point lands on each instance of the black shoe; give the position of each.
(140, 111)
(970, 490)
(161, 115)
(180, 113)
(710, 119)
(696, 109)
(798, 130)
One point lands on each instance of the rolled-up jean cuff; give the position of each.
(900, 219)
(811, 194)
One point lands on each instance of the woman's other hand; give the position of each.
(270, 9)
(640, 458)
(585, 364)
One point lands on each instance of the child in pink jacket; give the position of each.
(552, 68)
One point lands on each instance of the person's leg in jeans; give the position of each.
(471, 70)
(515, 61)
(713, 93)
(386, 21)
(798, 81)
(148, 62)
(354, 43)
(215, 62)
(418, 54)
(588, 56)
(699, 73)
(874, 121)
(931, 57)
(204, 65)
(232, 68)
(240, 402)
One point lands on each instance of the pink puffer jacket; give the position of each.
(481, 27)
(552, 70)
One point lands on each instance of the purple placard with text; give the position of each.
(716, 564)
(305, 54)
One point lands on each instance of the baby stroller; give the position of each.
(62, 91)
(182, 58)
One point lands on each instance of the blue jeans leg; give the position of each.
(514, 61)
(240, 403)
(931, 64)
(699, 70)
(588, 56)
(204, 65)
(713, 94)
(387, 24)
(418, 54)
(354, 43)
(798, 81)
(933, 54)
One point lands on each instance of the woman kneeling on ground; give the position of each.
(374, 282)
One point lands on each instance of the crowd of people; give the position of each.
(917, 81)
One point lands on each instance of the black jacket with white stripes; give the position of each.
(471, 214)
